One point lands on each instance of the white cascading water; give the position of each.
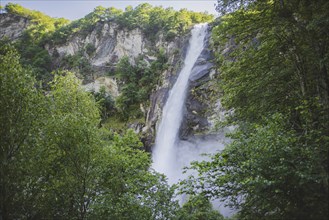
(165, 151)
(170, 154)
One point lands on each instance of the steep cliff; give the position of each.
(106, 44)
(110, 44)
(12, 26)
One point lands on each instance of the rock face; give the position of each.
(159, 97)
(200, 106)
(12, 26)
(109, 84)
(109, 43)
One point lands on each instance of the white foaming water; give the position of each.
(170, 154)
(165, 152)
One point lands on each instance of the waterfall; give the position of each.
(165, 150)
(170, 154)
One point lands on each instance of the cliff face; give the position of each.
(109, 43)
(203, 109)
(12, 26)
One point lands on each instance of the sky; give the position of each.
(75, 9)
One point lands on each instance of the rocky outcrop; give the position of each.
(110, 43)
(12, 26)
(108, 83)
(199, 109)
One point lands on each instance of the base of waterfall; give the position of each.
(196, 149)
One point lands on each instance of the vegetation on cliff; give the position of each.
(31, 44)
(45, 30)
(139, 81)
(151, 20)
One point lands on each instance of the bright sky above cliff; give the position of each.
(74, 9)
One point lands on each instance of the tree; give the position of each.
(267, 174)
(128, 190)
(41, 24)
(274, 79)
(21, 107)
(228, 6)
(198, 208)
(105, 102)
(71, 146)
(138, 82)
(31, 45)
(56, 161)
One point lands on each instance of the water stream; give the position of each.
(165, 150)
(170, 154)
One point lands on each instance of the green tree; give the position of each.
(105, 102)
(138, 80)
(274, 79)
(128, 189)
(21, 115)
(31, 44)
(268, 174)
(56, 161)
(41, 24)
(72, 143)
(198, 208)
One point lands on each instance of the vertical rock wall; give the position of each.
(112, 42)
(12, 26)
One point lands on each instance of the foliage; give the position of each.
(151, 20)
(72, 144)
(274, 79)
(21, 114)
(106, 103)
(57, 163)
(229, 6)
(90, 49)
(77, 63)
(283, 176)
(134, 193)
(139, 81)
(31, 44)
(32, 56)
(154, 19)
(36, 57)
(198, 208)
(41, 24)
